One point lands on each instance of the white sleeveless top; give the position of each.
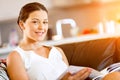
(41, 68)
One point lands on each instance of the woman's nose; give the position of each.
(40, 26)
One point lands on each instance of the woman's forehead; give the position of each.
(39, 15)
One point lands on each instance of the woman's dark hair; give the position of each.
(29, 8)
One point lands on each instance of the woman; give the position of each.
(32, 61)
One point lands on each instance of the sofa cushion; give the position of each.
(97, 54)
(117, 53)
(3, 72)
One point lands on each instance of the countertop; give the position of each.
(67, 40)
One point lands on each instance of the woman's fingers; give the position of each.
(81, 75)
(85, 74)
(65, 77)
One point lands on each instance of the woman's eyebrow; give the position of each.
(39, 20)
(46, 19)
(35, 19)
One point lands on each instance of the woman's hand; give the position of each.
(81, 75)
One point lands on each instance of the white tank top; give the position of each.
(41, 68)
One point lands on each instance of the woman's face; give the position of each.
(36, 26)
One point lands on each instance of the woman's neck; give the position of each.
(29, 45)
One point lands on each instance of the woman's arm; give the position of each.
(15, 67)
(81, 75)
(63, 56)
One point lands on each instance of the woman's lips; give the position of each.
(39, 33)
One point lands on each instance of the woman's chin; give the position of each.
(41, 39)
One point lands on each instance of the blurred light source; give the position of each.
(110, 27)
(100, 28)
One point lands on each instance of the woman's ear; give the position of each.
(21, 25)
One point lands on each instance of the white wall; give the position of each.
(9, 9)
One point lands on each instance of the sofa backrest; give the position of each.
(97, 54)
(117, 50)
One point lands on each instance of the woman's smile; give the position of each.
(40, 33)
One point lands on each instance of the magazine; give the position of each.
(95, 74)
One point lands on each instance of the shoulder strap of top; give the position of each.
(21, 52)
(25, 59)
(57, 51)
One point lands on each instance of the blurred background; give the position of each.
(67, 18)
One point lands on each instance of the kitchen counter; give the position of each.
(6, 50)
(80, 39)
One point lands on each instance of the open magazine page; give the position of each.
(95, 75)
(112, 68)
(74, 69)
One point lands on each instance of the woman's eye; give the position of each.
(35, 22)
(46, 22)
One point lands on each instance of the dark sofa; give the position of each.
(96, 54)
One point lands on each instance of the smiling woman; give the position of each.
(34, 61)
(38, 25)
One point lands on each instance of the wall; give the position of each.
(6, 27)
(10, 9)
(86, 16)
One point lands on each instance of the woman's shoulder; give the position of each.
(14, 53)
(62, 54)
(12, 59)
(59, 49)
(13, 56)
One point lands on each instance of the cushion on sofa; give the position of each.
(117, 53)
(97, 54)
(3, 72)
